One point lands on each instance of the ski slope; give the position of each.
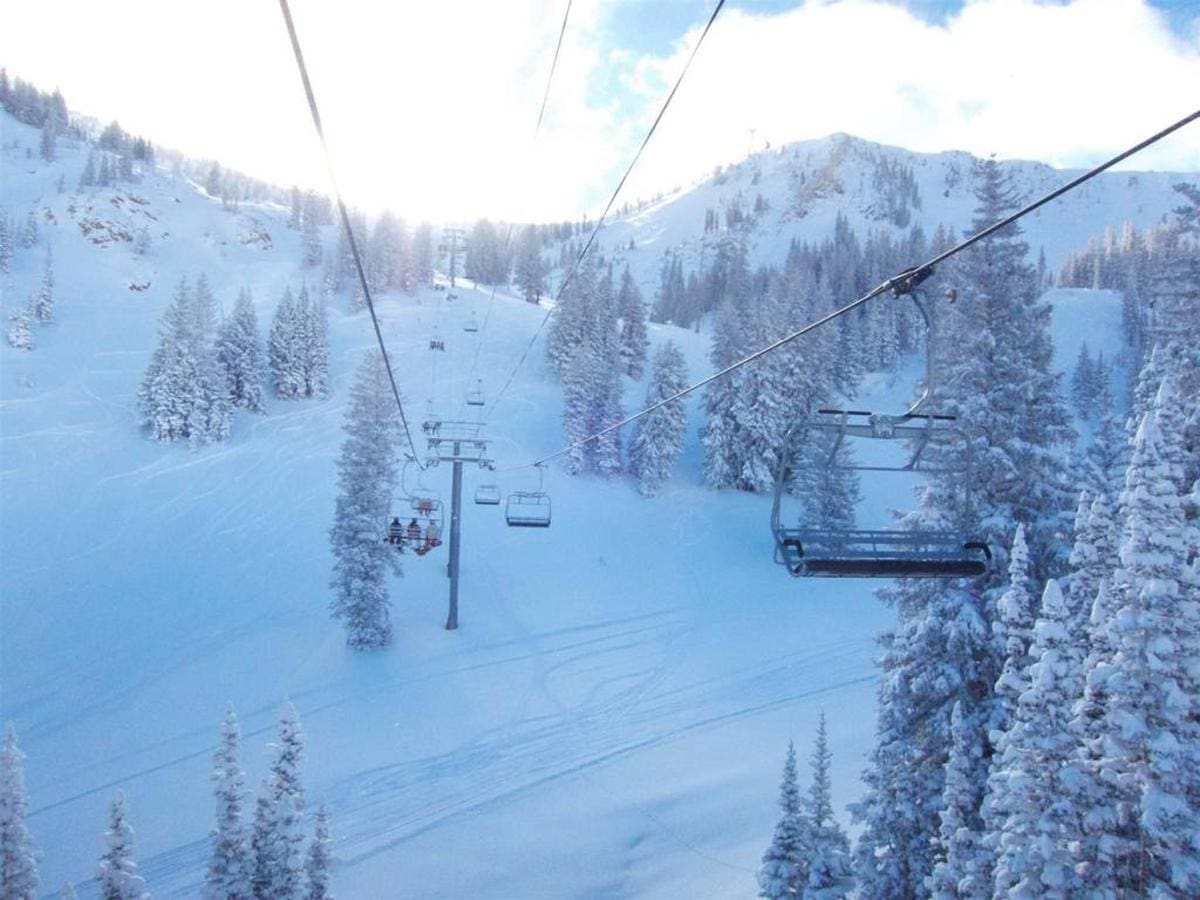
(609, 720)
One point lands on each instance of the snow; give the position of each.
(608, 720)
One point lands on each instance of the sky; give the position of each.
(430, 107)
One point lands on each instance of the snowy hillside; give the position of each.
(610, 719)
(806, 185)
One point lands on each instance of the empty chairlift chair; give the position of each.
(475, 394)
(528, 509)
(487, 495)
(472, 324)
(858, 553)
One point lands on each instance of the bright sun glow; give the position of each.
(430, 107)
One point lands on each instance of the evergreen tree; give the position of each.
(20, 329)
(48, 142)
(828, 851)
(43, 300)
(1083, 382)
(1151, 733)
(783, 873)
(658, 436)
(67, 892)
(941, 653)
(6, 243)
(18, 862)
(228, 876)
(422, 255)
(312, 338)
(1040, 822)
(117, 872)
(316, 866)
(240, 355)
(367, 477)
(28, 235)
(959, 851)
(87, 178)
(277, 842)
(531, 271)
(632, 312)
(182, 396)
(284, 357)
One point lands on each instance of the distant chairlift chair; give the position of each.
(475, 394)
(857, 553)
(471, 324)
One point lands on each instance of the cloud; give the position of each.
(430, 106)
(1068, 84)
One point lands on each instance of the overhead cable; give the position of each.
(358, 263)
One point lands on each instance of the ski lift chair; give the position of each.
(487, 495)
(471, 324)
(475, 394)
(528, 509)
(858, 553)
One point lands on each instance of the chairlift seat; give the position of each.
(487, 495)
(471, 325)
(528, 509)
(880, 554)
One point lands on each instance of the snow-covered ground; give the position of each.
(611, 717)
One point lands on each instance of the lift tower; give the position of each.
(455, 442)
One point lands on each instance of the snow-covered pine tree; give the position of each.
(1083, 382)
(421, 257)
(240, 355)
(18, 861)
(571, 321)
(658, 436)
(43, 301)
(67, 892)
(1093, 558)
(1151, 732)
(607, 368)
(313, 343)
(998, 354)
(182, 396)
(320, 851)
(310, 231)
(1107, 457)
(719, 436)
(579, 379)
(48, 142)
(6, 242)
(367, 478)
(118, 871)
(1016, 613)
(20, 329)
(276, 844)
(284, 356)
(941, 653)
(213, 412)
(263, 839)
(958, 850)
(828, 852)
(87, 178)
(531, 270)
(632, 312)
(1013, 628)
(783, 873)
(228, 874)
(28, 236)
(1040, 824)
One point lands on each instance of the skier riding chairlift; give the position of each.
(395, 535)
(432, 536)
